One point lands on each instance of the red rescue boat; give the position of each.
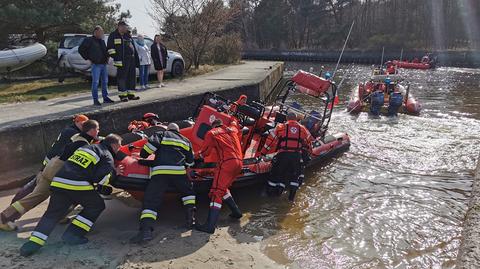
(383, 94)
(412, 65)
(255, 119)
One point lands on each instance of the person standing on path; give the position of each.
(94, 50)
(145, 61)
(159, 58)
(121, 48)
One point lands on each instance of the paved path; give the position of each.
(249, 72)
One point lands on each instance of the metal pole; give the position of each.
(383, 53)
(401, 55)
(344, 46)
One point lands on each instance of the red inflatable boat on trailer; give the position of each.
(383, 94)
(256, 120)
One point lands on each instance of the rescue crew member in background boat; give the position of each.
(223, 141)
(42, 189)
(121, 48)
(389, 86)
(172, 152)
(290, 139)
(241, 101)
(72, 185)
(51, 163)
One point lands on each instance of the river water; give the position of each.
(397, 199)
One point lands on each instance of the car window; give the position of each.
(148, 42)
(70, 42)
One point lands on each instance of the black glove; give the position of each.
(192, 174)
(198, 161)
(144, 162)
(104, 189)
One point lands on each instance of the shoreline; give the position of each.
(172, 247)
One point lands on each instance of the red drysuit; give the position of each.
(225, 142)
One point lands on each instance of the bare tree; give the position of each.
(192, 24)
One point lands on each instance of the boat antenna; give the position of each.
(344, 46)
(401, 55)
(383, 54)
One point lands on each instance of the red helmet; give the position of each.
(150, 115)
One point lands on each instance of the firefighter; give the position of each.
(42, 188)
(74, 184)
(173, 152)
(223, 141)
(290, 139)
(30, 194)
(121, 48)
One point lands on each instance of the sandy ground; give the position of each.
(173, 246)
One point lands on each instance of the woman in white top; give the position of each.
(145, 61)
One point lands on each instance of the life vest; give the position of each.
(290, 138)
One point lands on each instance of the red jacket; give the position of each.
(224, 141)
(290, 136)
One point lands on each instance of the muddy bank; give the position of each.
(172, 247)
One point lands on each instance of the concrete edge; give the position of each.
(469, 250)
(22, 158)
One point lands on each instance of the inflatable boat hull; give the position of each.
(15, 59)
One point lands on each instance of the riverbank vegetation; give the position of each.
(312, 24)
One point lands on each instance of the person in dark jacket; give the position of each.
(65, 137)
(172, 152)
(159, 58)
(94, 50)
(121, 48)
(41, 190)
(72, 185)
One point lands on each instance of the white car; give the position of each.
(69, 57)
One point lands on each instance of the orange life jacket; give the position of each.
(290, 136)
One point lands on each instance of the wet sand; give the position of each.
(172, 247)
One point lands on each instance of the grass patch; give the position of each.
(40, 90)
(44, 89)
(203, 69)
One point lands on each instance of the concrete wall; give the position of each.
(27, 145)
(444, 58)
(469, 252)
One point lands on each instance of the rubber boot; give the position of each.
(29, 248)
(143, 236)
(123, 97)
(7, 225)
(209, 227)
(132, 96)
(74, 236)
(190, 216)
(291, 195)
(236, 213)
(279, 190)
(271, 189)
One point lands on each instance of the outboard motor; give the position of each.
(376, 103)
(396, 100)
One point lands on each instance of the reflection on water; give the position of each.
(398, 197)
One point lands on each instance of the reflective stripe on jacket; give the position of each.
(172, 152)
(86, 166)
